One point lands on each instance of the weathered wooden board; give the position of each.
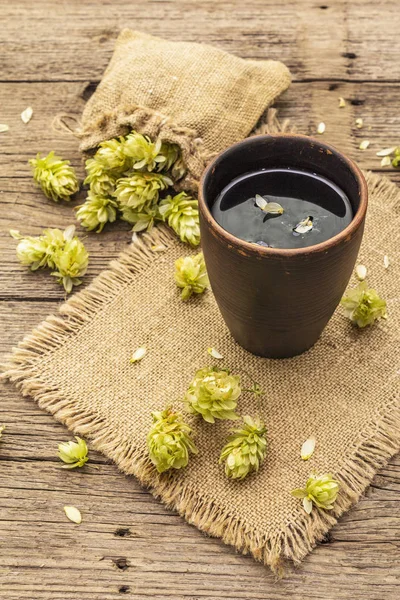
(52, 56)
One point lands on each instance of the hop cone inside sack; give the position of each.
(245, 449)
(213, 394)
(169, 441)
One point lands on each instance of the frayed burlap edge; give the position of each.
(374, 447)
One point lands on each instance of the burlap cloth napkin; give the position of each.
(193, 95)
(344, 391)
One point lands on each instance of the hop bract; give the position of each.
(169, 441)
(141, 190)
(55, 176)
(363, 306)
(97, 211)
(71, 263)
(321, 490)
(74, 454)
(181, 212)
(245, 449)
(213, 394)
(191, 275)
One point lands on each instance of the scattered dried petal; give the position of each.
(359, 123)
(73, 514)
(69, 233)
(307, 505)
(364, 144)
(321, 128)
(386, 151)
(26, 115)
(307, 449)
(386, 261)
(386, 161)
(342, 102)
(3, 127)
(138, 354)
(158, 248)
(214, 353)
(361, 272)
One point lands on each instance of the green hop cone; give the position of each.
(363, 306)
(96, 211)
(169, 442)
(111, 154)
(102, 182)
(213, 394)
(245, 449)
(181, 212)
(191, 275)
(73, 454)
(140, 190)
(172, 155)
(71, 263)
(141, 220)
(144, 154)
(31, 251)
(396, 158)
(321, 490)
(55, 176)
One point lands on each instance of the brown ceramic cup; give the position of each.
(276, 302)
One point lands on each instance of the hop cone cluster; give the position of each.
(363, 306)
(169, 442)
(191, 275)
(55, 249)
(245, 449)
(213, 394)
(126, 176)
(321, 490)
(55, 176)
(181, 212)
(73, 454)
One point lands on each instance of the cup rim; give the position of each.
(343, 235)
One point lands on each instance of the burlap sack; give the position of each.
(194, 95)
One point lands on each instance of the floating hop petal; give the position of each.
(26, 115)
(213, 394)
(304, 226)
(271, 208)
(73, 514)
(145, 154)
(73, 454)
(55, 176)
(191, 275)
(361, 272)
(321, 490)
(214, 353)
(138, 354)
(181, 212)
(245, 449)
(97, 211)
(169, 442)
(71, 263)
(307, 449)
(363, 306)
(140, 191)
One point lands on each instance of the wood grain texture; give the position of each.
(52, 57)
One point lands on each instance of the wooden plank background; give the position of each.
(52, 56)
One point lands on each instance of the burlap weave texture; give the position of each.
(344, 391)
(194, 95)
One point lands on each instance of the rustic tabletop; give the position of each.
(52, 57)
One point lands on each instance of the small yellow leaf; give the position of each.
(73, 514)
(26, 115)
(361, 272)
(386, 161)
(364, 144)
(342, 102)
(321, 128)
(3, 127)
(386, 261)
(386, 151)
(138, 354)
(307, 449)
(214, 353)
